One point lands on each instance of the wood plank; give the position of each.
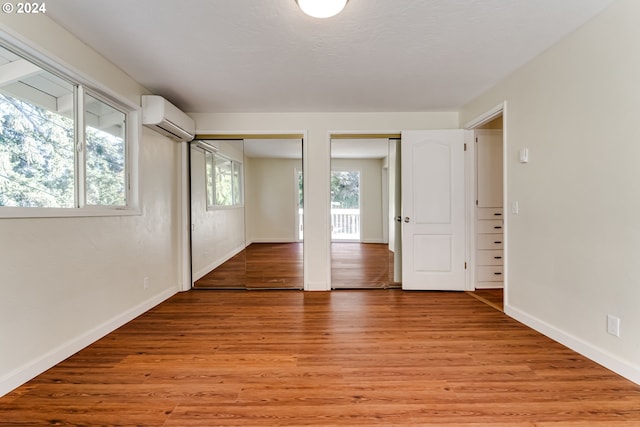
(259, 266)
(238, 358)
(361, 265)
(492, 297)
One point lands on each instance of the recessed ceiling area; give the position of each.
(365, 148)
(211, 56)
(273, 148)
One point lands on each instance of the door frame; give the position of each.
(482, 119)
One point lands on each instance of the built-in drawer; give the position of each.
(489, 226)
(491, 273)
(489, 213)
(489, 257)
(489, 241)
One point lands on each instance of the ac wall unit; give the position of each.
(166, 119)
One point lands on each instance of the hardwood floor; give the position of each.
(361, 266)
(288, 358)
(280, 266)
(259, 266)
(492, 297)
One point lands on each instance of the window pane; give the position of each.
(237, 183)
(209, 178)
(36, 136)
(105, 154)
(223, 182)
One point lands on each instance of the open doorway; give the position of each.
(489, 216)
(362, 215)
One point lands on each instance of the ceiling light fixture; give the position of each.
(322, 8)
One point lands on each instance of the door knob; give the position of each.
(407, 219)
(399, 218)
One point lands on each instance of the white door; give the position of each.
(433, 210)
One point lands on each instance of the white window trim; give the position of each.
(133, 133)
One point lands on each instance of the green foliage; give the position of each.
(345, 189)
(37, 159)
(36, 156)
(105, 168)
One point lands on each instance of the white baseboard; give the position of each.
(31, 369)
(317, 286)
(272, 240)
(489, 285)
(609, 361)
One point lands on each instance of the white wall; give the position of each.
(67, 281)
(271, 199)
(371, 208)
(317, 127)
(573, 249)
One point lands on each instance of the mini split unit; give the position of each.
(166, 119)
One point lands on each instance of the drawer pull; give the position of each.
(498, 242)
(498, 274)
(497, 214)
(497, 257)
(498, 227)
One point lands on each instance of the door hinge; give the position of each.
(476, 139)
(476, 203)
(465, 265)
(465, 147)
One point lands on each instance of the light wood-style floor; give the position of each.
(289, 358)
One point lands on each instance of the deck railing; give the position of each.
(345, 224)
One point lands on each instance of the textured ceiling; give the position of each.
(267, 56)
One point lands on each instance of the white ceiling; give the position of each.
(267, 56)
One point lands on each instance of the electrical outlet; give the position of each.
(613, 325)
(145, 283)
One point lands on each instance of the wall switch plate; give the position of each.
(515, 208)
(145, 283)
(613, 325)
(524, 155)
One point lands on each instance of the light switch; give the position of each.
(524, 155)
(515, 208)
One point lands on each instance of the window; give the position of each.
(224, 181)
(62, 144)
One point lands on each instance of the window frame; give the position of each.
(133, 128)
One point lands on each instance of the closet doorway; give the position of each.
(365, 205)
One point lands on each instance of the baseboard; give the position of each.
(272, 240)
(613, 363)
(489, 285)
(30, 370)
(317, 286)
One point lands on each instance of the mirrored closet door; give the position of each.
(246, 211)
